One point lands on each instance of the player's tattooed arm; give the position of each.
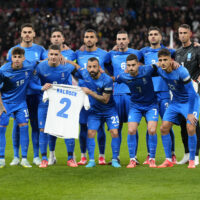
(2, 108)
(104, 98)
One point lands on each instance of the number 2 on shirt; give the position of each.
(67, 103)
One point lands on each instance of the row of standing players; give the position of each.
(121, 92)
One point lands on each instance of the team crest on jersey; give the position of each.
(144, 80)
(36, 55)
(26, 74)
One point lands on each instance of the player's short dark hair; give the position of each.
(154, 28)
(17, 50)
(164, 52)
(54, 47)
(92, 59)
(27, 25)
(122, 32)
(131, 57)
(90, 31)
(57, 30)
(185, 26)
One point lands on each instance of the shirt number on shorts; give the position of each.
(26, 113)
(155, 110)
(115, 119)
(67, 103)
(195, 114)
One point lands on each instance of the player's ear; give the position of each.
(33, 33)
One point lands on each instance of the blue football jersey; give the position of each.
(35, 53)
(14, 82)
(83, 56)
(141, 86)
(104, 84)
(175, 81)
(118, 60)
(55, 75)
(150, 56)
(69, 55)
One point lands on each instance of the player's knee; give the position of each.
(152, 130)
(3, 126)
(91, 133)
(23, 124)
(41, 130)
(164, 130)
(114, 133)
(132, 131)
(191, 129)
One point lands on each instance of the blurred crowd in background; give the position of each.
(106, 17)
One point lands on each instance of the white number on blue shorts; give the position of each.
(115, 119)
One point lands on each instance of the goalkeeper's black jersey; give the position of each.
(189, 57)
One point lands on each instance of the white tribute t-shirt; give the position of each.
(65, 103)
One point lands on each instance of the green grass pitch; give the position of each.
(61, 182)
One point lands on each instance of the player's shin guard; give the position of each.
(70, 144)
(43, 142)
(132, 145)
(91, 147)
(52, 142)
(167, 144)
(83, 137)
(152, 145)
(192, 143)
(24, 140)
(15, 139)
(2, 141)
(35, 141)
(101, 138)
(115, 144)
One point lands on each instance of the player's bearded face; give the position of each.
(27, 34)
(132, 67)
(90, 39)
(17, 61)
(122, 41)
(57, 38)
(93, 69)
(184, 34)
(165, 62)
(154, 37)
(54, 57)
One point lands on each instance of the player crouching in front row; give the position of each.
(185, 102)
(14, 78)
(143, 103)
(99, 87)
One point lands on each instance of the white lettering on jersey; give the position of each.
(65, 103)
